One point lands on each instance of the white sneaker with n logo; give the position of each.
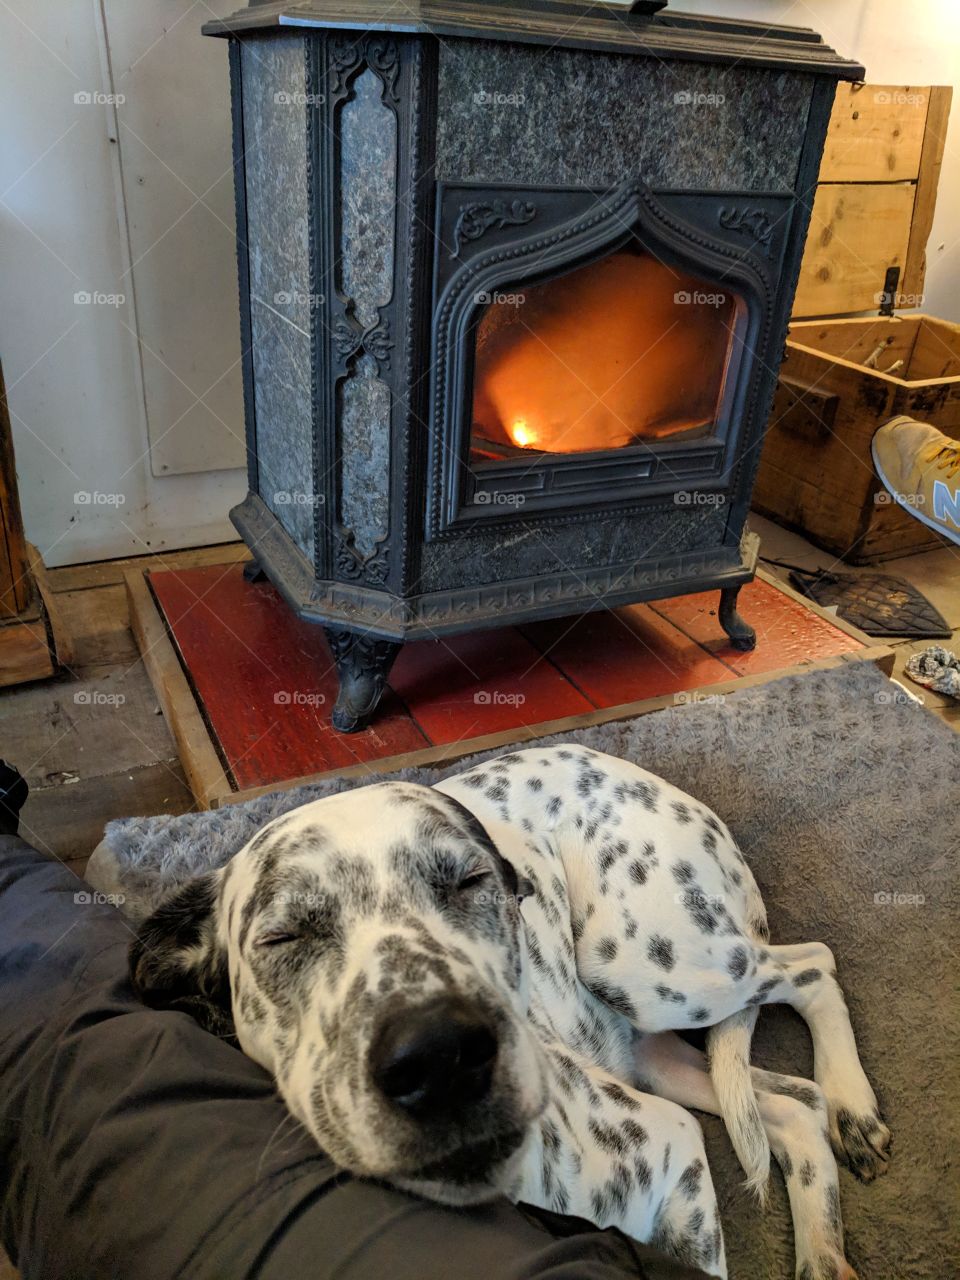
(920, 466)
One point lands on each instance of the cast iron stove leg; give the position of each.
(252, 572)
(741, 634)
(363, 664)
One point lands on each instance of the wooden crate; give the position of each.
(817, 474)
(872, 215)
(875, 199)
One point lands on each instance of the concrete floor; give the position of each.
(94, 746)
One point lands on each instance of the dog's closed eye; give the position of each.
(277, 938)
(474, 879)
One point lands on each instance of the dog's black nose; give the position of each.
(436, 1058)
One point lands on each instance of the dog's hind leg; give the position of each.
(794, 1117)
(806, 979)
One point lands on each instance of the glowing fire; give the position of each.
(623, 350)
(521, 434)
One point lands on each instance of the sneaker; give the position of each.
(920, 466)
(13, 792)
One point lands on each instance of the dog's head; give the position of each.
(369, 952)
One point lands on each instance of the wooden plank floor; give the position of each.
(266, 683)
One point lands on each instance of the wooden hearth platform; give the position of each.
(247, 688)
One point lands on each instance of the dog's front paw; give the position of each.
(862, 1141)
(827, 1266)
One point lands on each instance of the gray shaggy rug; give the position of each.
(845, 799)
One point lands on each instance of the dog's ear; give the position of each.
(519, 887)
(176, 961)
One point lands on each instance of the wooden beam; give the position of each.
(205, 773)
(925, 203)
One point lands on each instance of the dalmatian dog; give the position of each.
(474, 989)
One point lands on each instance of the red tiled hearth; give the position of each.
(265, 682)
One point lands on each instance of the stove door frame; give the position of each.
(491, 239)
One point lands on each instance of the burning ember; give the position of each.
(615, 353)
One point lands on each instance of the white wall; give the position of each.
(73, 372)
(83, 414)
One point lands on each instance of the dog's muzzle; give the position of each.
(435, 1059)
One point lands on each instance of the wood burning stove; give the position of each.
(514, 283)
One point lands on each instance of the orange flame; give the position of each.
(521, 434)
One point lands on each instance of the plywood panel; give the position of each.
(173, 135)
(876, 133)
(856, 233)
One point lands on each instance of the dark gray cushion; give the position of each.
(135, 1146)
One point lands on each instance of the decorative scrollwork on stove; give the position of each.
(353, 565)
(476, 220)
(383, 57)
(350, 339)
(753, 222)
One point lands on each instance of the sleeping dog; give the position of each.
(474, 989)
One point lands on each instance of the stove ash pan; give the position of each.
(513, 300)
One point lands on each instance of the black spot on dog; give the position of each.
(637, 872)
(535, 784)
(700, 1015)
(737, 962)
(764, 989)
(668, 994)
(643, 1174)
(808, 1174)
(614, 996)
(616, 1093)
(806, 1094)
(554, 805)
(634, 1132)
(607, 949)
(806, 977)
(690, 1180)
(786, 1164)
(682, 872)
(681, 811)
(660, 951)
